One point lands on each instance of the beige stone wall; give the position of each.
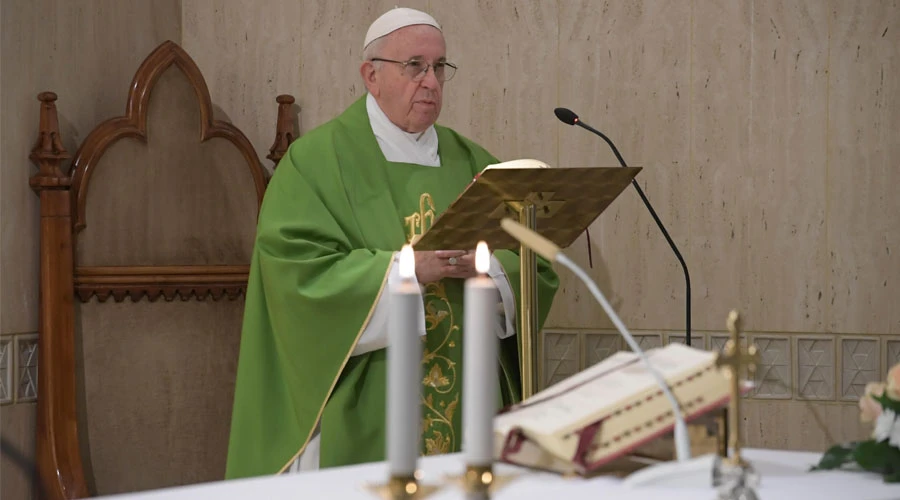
(87, 52)
(768, 132)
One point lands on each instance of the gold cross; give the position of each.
(732, 358)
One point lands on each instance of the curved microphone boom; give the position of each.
(550, 251)
(568, 117)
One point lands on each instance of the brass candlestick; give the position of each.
(403, 488)
(479, 481)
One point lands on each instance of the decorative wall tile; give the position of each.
(677, 339)
(698, 340)
(598, 347)
(717, 342)
(561, 355)
(859, 365)
(815, 367)
(773, 374)
(27, 367)
(6, 370)
(647, 341)
(891, 353)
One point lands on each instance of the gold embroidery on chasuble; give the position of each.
(419, 222)
(441, 390)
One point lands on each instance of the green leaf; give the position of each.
(893, 460)
(893, 477)
(888, 403)
(875, 457)
(835, 457)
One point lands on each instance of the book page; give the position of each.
(524, 163)
(614, 362)
(592, 394)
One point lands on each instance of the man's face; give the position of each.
(411, 105)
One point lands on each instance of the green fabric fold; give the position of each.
(333, 216)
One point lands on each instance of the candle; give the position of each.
(480, 346)
(404, 370)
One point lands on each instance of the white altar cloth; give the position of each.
(784, 477)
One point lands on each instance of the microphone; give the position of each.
(550, 251)
(569, 117)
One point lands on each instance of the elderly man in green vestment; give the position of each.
(311, 382)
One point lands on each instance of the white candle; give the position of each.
(480, 346)
(404, 370)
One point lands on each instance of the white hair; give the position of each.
(374, 49)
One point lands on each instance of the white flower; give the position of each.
(884, 425)
(895, 435)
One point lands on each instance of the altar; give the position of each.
(784, 475)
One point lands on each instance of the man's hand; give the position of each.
(434, 266)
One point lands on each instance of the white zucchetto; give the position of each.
(394, 19)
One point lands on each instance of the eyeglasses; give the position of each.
(416, 69)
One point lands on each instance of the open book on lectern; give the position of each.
(605, 412)
(566, 201)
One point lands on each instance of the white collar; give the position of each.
(398, 145)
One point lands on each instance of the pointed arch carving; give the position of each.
(134, 125)
(60, 466)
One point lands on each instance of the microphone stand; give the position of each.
(687, 276)
(552, 253)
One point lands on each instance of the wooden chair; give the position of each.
(158, 212)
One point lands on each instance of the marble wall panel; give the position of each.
(86, 52)
(722, 188)
(17, 426)
(816, 426)
(506, 88)
(624, 68)
(784, 259)
(862, 168)
(310, 49)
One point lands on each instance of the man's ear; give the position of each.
(369, 76)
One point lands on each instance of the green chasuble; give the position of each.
(334, 214)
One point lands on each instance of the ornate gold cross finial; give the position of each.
(732, 358)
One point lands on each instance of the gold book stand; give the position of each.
(560, 203)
